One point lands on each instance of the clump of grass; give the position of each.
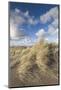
(36, 64)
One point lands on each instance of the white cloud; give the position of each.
(51, 14)
(26, 14)
(32, 21)
(17, 19)
(15, 33)
(23, 42)
(18, 37)
(55, 23)
(52, 32)
(41, 34)
(50, 36)
(53, 28)
(17, 10)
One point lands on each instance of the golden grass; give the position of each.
(36, 65)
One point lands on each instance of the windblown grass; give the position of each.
(36, 65)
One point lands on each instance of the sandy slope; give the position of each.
(36, 65)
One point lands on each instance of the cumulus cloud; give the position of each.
(51, 14)
(19, 17)
(51, 35)
(17, 10)
(16, 17)
(32, 21)
(15, 21)
(41, 35)
(52, 17)
(17, 35)
(26, 14)
(22, 42)
(52, 30)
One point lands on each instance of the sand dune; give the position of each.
(36, 65)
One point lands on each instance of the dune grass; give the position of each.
(36, 65)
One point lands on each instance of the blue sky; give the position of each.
(31, 22)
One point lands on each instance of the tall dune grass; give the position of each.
(36, 65)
